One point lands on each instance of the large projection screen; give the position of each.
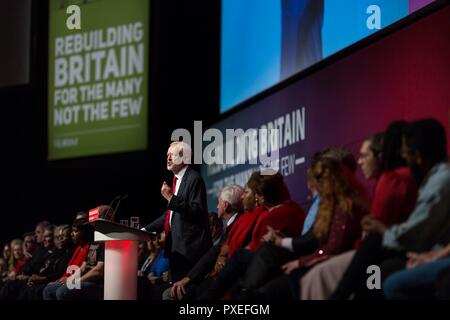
(97, 78)
(264, 42)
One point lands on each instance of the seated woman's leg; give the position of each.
(371, 252)
(265, 265)
(49, 292)
(416, 283)
(320, 282)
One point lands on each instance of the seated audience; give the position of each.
(29, 244)
(393, 201)
(6, 254)
(17, 259)
(39, 231)
(46, 248)
(30, 287)
(273, 257)
(89, 257)
(424, 147)
(282, 214)
(336, 227)
(153, 276)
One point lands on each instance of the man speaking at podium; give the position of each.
(185, 222)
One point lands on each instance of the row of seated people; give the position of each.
(269, 249)
(35, 268)
(271, 252)
(44, 269)
(16, 252)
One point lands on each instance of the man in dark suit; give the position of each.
(229, 208)
(185, 223)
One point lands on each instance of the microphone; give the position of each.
(107, 217)
(117, 205)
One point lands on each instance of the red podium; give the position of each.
(121, 258)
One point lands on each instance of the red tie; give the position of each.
(167, 222)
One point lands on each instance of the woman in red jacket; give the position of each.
(282, 213)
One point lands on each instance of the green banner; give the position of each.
(98, 77)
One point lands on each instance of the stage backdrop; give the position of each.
(97, 86)
(404, 75)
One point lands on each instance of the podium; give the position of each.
(121, 258)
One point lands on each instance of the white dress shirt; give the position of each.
(231, 220)
(179, 176)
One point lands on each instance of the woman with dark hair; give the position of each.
(89, 258)
(283, 214)
(241, 232)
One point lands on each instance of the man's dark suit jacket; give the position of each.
(190, 235)
(206, 264)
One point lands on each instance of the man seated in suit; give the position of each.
(229, 208)
(185, 223)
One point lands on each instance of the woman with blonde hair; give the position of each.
(17, 259)
(343, 202)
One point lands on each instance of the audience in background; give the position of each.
(153, 277)
(30, 286)
(31, 266)
(53, 268)
(336, 227)
(3, 270)
(46, 248)
(159, 270)
(424, 147)
(151, 254)
(282, 214)
(39, 231)
(29, 244)
(143, 253)
(394, 198)
(275, 256)
(6, 253)
(17, 259)
(89, 257)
